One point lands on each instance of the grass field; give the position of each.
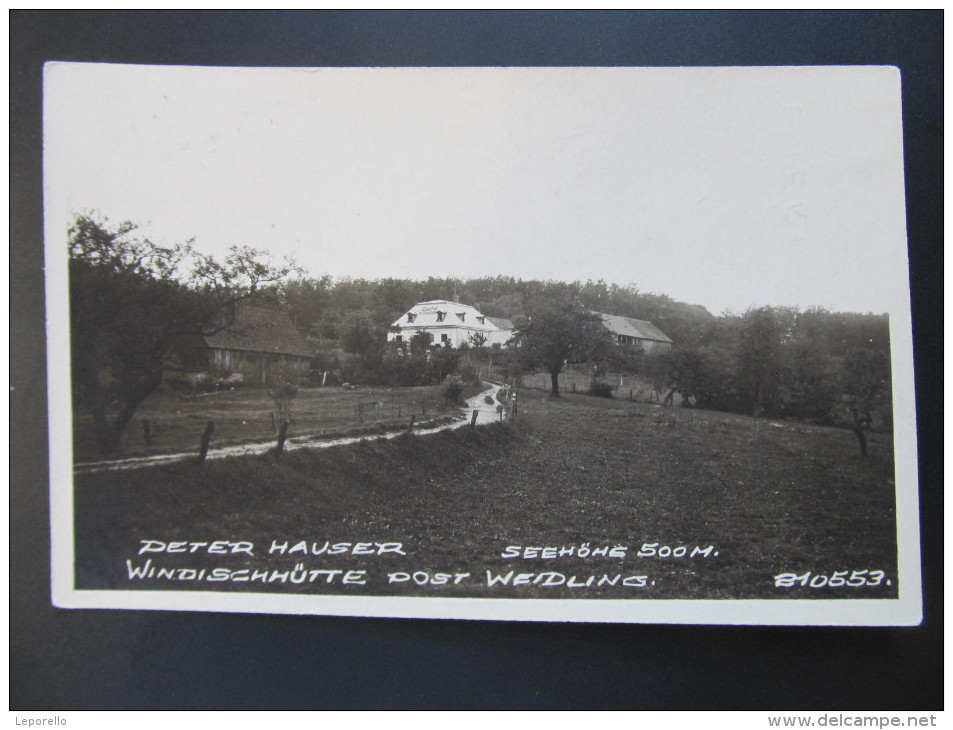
(766, 497)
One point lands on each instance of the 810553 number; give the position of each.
(838, 579)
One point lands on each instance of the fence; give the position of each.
(629, 387)
(173, 424)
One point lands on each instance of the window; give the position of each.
(481, 320)
(440, 316)
(398, 338)
(461, 315)
(445, 338)
(411, 317)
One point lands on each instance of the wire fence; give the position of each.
(172, 424)
(628, 387)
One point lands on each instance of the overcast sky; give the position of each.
(722, 187)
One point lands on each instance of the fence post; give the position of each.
(514, 405)
(147, 431)
(574, 386)
(423, 404)
(473, 419)
(411, 426)
(206, 438)
(282, 433)
(630, 393)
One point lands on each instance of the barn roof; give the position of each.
(638, 328)
(260, 329)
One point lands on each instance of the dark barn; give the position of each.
(260, 348)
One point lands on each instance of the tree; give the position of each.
(361, 336)
(131, 300)
(420, 343)
(477, 341)
(558, 331)
(442, 361)
(305, 299)
(865, 383)
(695, 372)
(283, 391)
(811, 380)
(761, 337)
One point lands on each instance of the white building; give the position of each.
(451, 324)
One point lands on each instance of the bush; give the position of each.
(470, 375)
(283, 393)
(396, 371)
(325, 359)
(453, 387)
(600, 389)
(442, 362)
(427, 367)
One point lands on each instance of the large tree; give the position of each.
(559, 331)
(362, 336)
(694, 372)
(306, 299)
(865, 384)
(763, 336)
(131, 300)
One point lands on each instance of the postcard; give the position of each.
(542, 344)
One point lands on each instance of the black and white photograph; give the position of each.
(243, 474)
(554, 344)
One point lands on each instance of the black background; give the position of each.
(177, 660)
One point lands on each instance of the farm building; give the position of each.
(636, 333)
(450, 323)
(260, 346)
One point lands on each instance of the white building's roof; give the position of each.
(442, 313)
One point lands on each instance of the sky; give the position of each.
(726, 187)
